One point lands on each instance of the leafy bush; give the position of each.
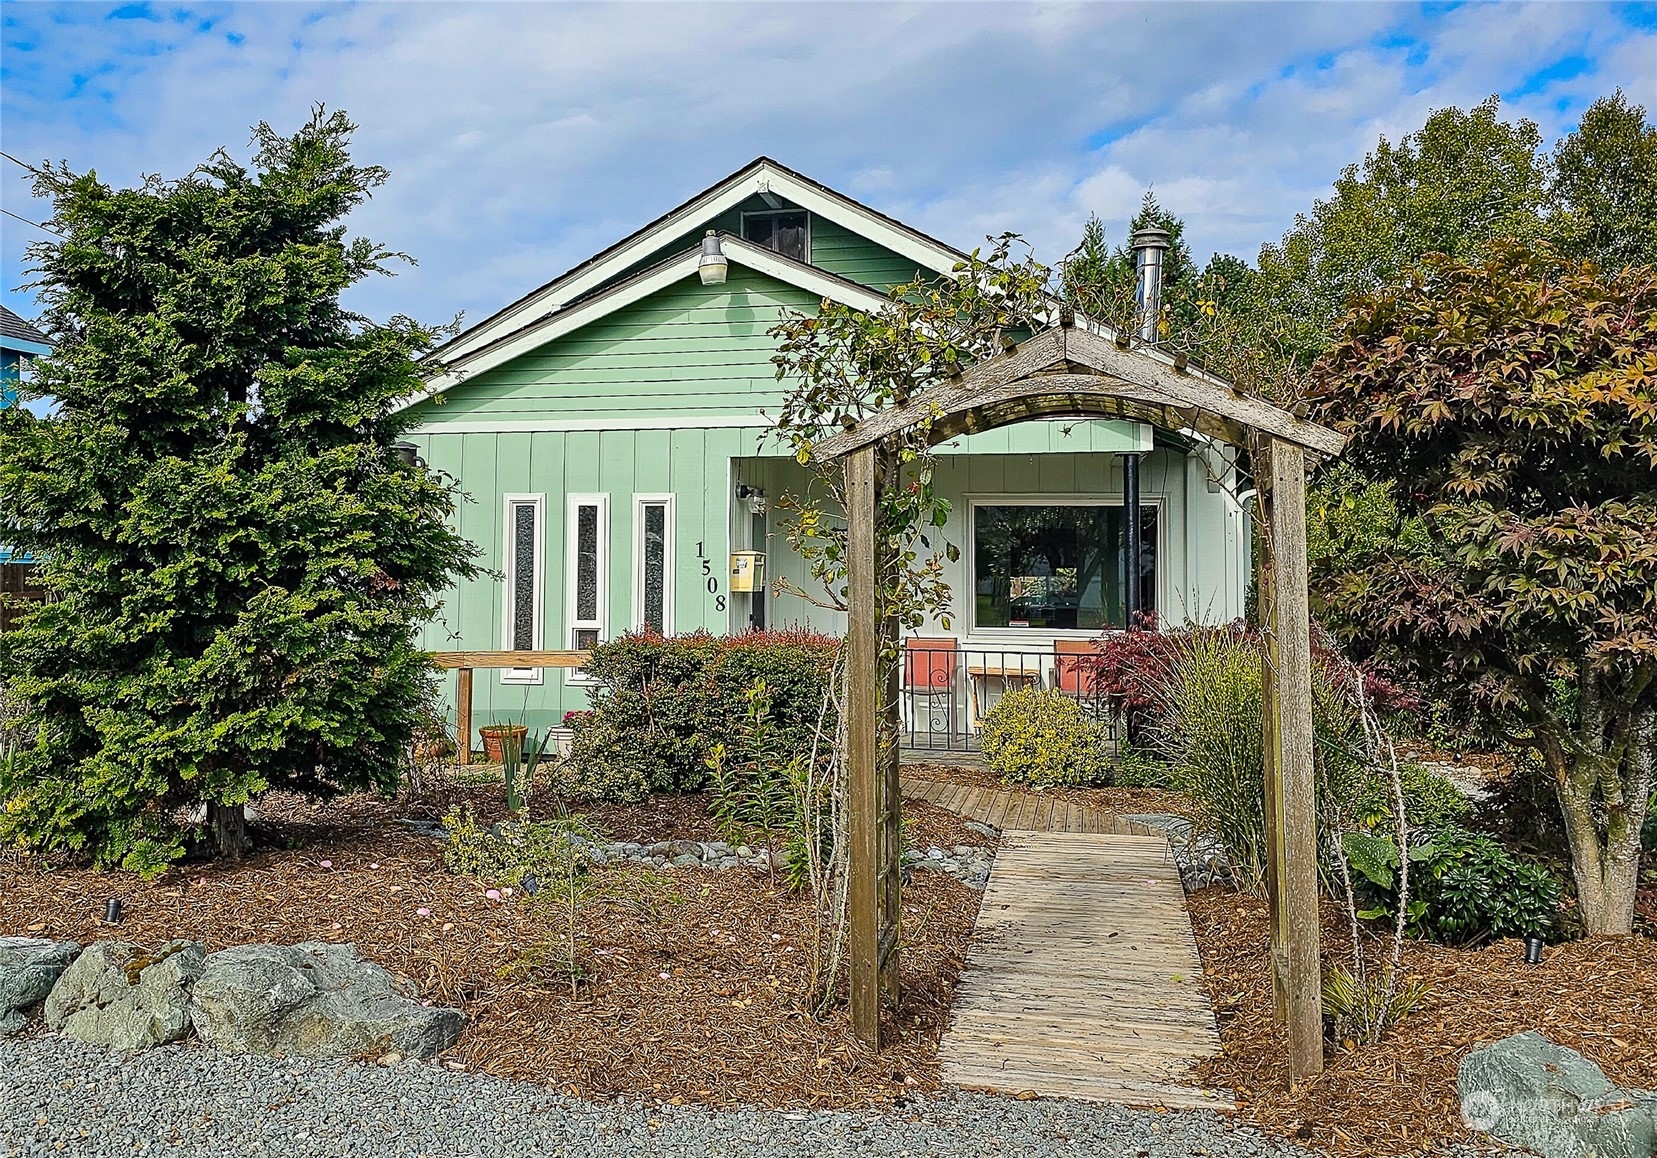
(507, 853)
(1465, 888)
(1130, 671)
(665, 702)
(1430, 800)
(1042, 737)
(769, 792)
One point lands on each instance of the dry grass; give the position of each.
(1598, 997)
(700, 999)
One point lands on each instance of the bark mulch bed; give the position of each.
(1108, 799)
(1598, 997)
(697, 998)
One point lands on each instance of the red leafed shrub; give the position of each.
(1130, 669)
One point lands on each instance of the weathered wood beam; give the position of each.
(1270, 741)
(505, 659)
(1110, 372)
(463, 715)
(1292, 709)
(1063, 395)
(862, 708)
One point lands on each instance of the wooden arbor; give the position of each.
(1066, 372)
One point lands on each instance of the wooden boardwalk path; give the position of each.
(1014, 808)
(1083, 979)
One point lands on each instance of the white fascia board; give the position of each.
(690, 421)
(761, 179)
(737, 251)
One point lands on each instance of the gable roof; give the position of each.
(761, 175)
(17, 334)
(528, 337)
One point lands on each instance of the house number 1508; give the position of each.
(712, 579)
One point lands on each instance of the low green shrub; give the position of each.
(765, 791)
(1430, 800)
(1041, 736)
(664, 703)
(507, 853)
(1465, 888)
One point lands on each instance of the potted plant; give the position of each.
(495, 737)
(561, 737)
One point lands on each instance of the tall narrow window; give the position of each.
(653, 563)
(589, 570)
(521, 615)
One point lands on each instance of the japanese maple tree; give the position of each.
(1513, 400)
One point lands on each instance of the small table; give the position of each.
(1011, 675)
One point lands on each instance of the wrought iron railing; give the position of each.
(947, 687)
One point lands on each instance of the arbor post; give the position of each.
(863, 780)
(463, 716)
(1278, 946)
(1292, 790)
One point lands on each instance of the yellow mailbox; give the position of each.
(747, 570)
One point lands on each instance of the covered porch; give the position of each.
(1043, 517)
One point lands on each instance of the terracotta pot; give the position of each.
(495, 733)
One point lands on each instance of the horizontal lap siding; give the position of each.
(689, 347)
(841, 252)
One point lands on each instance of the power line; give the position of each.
(15, 161)
(36, 224)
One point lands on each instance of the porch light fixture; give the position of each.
(408, 453)
(711, 266)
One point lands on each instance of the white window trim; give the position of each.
(670, 532)
(742, 229)
(601, 623)
(524, 675)
(970, 555)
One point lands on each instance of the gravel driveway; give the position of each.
(61, 1097)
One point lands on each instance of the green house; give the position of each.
(610, 431)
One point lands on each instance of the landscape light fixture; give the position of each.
(1533, 950)
(112, 911)
(711, 266)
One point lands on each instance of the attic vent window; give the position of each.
(787, 231)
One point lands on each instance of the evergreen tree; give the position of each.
(237, 556)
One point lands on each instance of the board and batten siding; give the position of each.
(1203, 557)
(693, 464)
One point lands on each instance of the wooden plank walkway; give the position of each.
(1015, 808)
(1083, 978)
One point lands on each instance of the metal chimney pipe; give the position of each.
(1148, 246)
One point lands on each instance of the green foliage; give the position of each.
(1043, 737)
(1366, 1007)
(664, 703)
(1465, 888)
(239, 561)
(1102, 282)
(767, 793)
(1515, 403)
(1136, 767)
(1463, 180)
(504, 854)
(1430, 800)
(1210, 707)
(1605, 186)
(846, 364)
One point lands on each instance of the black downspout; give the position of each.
(1134, 548)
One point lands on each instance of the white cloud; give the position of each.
(524, 137)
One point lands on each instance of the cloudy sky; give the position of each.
(523, 137)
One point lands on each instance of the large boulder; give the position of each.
(29, 967)
(126, 997)
(1528, 1092)
(313, 1000)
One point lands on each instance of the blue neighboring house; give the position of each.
(19, 341)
